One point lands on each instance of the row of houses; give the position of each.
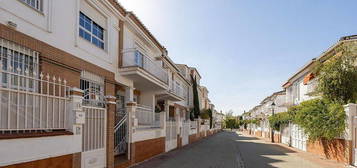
(83, 83)
(298, 88)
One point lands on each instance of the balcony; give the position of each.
(174, 93)
(144, 71)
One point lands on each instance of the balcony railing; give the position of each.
(176, 89)
(32, 102)
(140, 60)
(146, 116)
(194, 124)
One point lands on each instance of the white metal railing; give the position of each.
(171, 135)
(140, 60)
(146, 116)
(31, 101)
(311, 86)
(176, 89)
(185, 132)
(120, 135)
(94, 128)
(194, 124)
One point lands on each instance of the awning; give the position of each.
(308, 78)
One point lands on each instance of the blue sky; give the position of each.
(245, 49)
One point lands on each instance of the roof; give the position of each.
(118, 6)
(282, 92)
(136, 20)
(194, 69)
(319, 58)
(168, 59)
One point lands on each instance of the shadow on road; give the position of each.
(257, 154)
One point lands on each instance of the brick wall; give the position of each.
(202, 134)
(179, 141)
(277, 138)
(337, 149)
(193, 138)
(258, 133)
(65, 161)
(143, 150)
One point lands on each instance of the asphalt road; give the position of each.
(230, 150)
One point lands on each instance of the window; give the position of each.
(93, 87)
(139, 58)
(18, 61)
(91, 31)
(35, 4)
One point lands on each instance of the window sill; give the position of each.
(33, 134)
(36, 10)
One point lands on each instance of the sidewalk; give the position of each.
(320, 160)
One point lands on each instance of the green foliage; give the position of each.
(204, 114)
(320, 118)
(192, 115)
(279, 119)
(231, 123)
(255, 121)
(196, 102)
(210, 114)
(337, 77)
(251, 121)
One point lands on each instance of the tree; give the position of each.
(196, 102)
(337, 77)
(230, 123)
(209, 111)
(275, 121)
(204, 114)
(229, 113)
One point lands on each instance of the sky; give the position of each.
(245, 49)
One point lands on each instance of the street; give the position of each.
(232, 150)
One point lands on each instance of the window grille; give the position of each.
(35, 4)
(93, 87)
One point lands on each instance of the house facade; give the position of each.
(85, 84)
(301, 86)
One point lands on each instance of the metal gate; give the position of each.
(121, 136)
(285, 134)
(171, 135)
(185, 132)
(94, 138)
(298, 137)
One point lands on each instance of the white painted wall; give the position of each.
(145, 134)
(14, 151)
(58, 26)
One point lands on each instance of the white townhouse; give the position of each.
(85, 84)
(59, 60)
(301, 86)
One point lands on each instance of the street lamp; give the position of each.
(272, 113)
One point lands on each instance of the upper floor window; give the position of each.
(35, 4)
(91, 31)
